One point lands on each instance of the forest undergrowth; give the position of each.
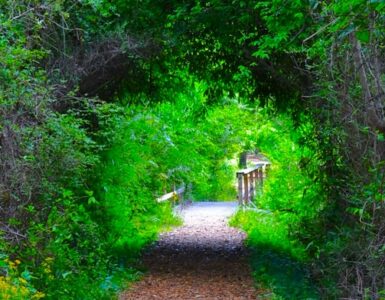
(287, 200)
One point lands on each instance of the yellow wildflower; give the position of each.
(38, 295)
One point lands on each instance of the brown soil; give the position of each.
(203, 259)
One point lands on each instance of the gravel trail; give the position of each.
(203, 259)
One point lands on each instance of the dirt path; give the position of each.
(203, 259)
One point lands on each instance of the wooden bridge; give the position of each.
(249, 181)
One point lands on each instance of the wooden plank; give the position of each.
(166, 196)
(252, 184)
(246, 182)
(249, 179)
(173, 194)
(260, 165)
(261, 176)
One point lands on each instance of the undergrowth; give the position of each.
(279, 263)
(289, 200)
(93, 176)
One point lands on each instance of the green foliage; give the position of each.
(75, 170)
(75, 254)
(174, 143)
(268, 229)
(279, 233)
(290, 193)
(278, 261)
(129, 181)
(290, 187)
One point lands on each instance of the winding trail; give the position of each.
(203, 259)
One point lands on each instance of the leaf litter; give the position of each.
(203, 259)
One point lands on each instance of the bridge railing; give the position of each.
(176, 194)
(250, 180)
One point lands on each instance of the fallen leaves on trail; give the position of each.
(204, 259)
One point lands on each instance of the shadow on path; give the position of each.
(203, 259)
(282, 274)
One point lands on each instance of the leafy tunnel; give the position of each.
(105, 105)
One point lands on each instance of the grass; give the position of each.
(278, 263)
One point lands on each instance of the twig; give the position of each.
(320, 30)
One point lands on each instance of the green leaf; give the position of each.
(26, 275)
(3, 264)
(261, 54)
(363, 36)
(92, 200)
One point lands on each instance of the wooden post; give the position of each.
(240, 188)
(250, 182)
(246, 181)
(252, 185)
(181, 198)
(260, 170)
